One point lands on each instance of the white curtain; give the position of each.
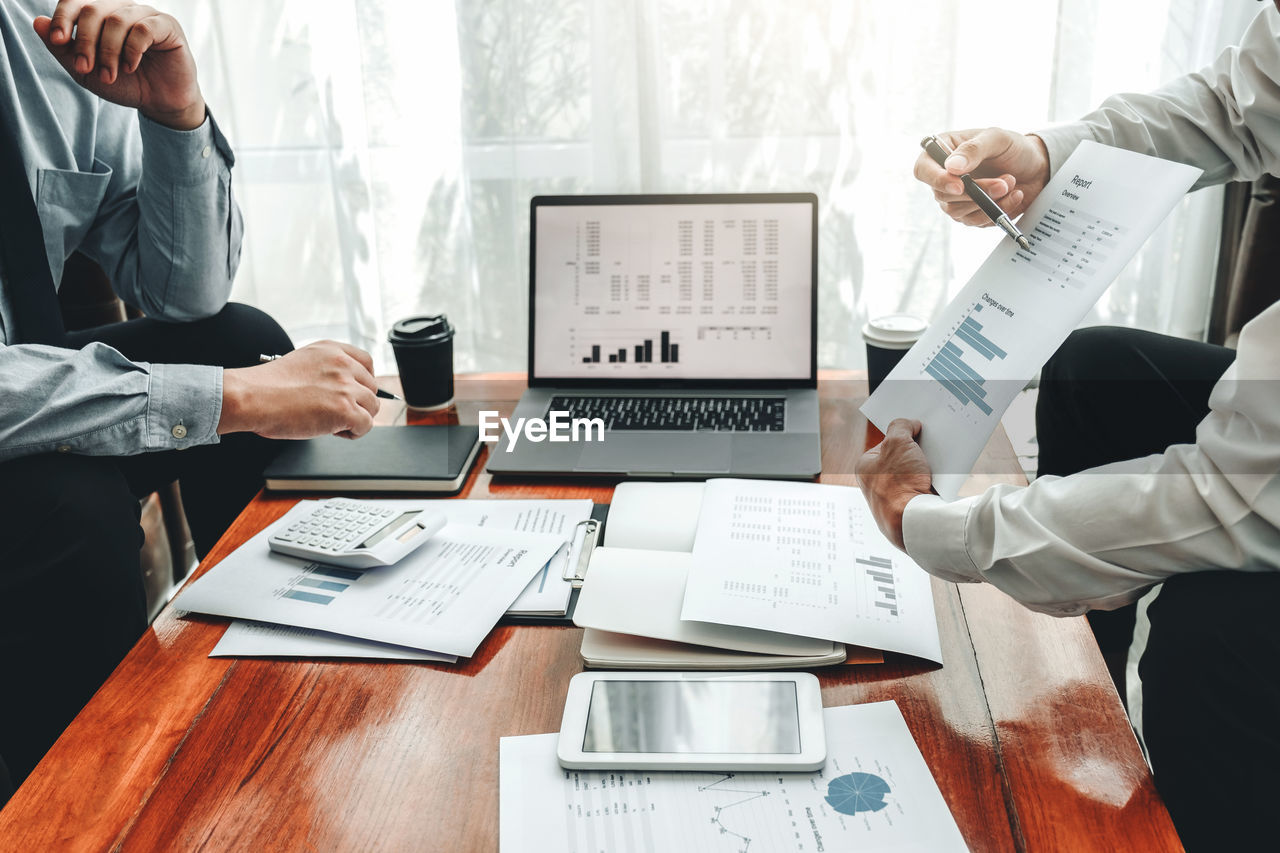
(387, 149)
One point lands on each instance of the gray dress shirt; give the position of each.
(153, 207)
(1100, 538)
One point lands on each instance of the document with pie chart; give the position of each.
(875, 793)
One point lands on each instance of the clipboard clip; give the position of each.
(577, 574)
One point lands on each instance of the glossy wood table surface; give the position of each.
(1022, 728)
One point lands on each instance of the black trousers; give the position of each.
(72, 602)
(1211, 669)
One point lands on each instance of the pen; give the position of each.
(386, 395)
(938, 150)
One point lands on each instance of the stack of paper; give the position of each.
(808, 559)
(749, 574)
(630, 606)
(260, 639)
(438, 603)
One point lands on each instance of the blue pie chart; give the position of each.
(857, 792)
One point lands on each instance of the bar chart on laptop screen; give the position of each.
(680, 290)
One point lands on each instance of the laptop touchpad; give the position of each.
(693, 453)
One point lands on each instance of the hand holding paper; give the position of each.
(891, 474)
(1086, 224)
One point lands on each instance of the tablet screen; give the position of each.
(682, 717)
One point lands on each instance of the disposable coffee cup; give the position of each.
(888, 338)
(424, 353)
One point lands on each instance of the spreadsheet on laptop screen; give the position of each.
(673, 291)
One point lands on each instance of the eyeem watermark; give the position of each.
(559, 427)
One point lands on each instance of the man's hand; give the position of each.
(127, 54)
(325, 388)
(891, 474)
(1010, 167)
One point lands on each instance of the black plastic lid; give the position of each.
(420, 330)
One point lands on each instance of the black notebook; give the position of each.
(386, 459)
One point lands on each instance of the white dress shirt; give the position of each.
(1100, 538)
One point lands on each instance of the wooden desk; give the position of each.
(1022, 727)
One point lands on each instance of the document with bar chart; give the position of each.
(444, 597)
(1094, 215)
(806, 559)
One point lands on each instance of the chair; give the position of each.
(1248, 278)
(87, 300)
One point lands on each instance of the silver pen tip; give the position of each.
(1007, 226)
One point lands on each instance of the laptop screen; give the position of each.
(659, 288)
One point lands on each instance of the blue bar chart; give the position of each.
(959, 375)
(882, 588)
(321, 584)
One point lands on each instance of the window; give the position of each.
(387, 149)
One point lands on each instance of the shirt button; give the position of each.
(206, 152)
(64, 448)
(179, 431)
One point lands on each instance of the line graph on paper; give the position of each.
(748, 795)
(638, 812)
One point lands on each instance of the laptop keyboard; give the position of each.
(677, 414)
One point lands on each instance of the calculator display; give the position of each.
(410, 532)
(387, 530)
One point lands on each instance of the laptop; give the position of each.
(680, 333)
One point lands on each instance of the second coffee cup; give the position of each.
(888, 338)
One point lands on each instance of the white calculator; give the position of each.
(356, 535)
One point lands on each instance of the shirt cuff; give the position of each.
(184, 157)
(183, 407)
(1061, 141)
(933, 532)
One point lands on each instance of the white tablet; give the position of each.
(693, 721)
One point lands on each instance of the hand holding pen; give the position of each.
(1009, 168)
(323, 388)
(381, 392)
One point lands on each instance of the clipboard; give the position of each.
(573, 574)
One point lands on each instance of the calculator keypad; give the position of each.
(337, 525)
